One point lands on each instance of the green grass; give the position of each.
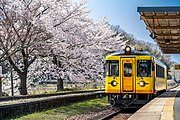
(51, 88)
(64, 112)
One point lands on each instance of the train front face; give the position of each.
(129, 79)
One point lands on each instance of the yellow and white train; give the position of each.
(133, 78)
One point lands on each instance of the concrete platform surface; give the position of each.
(164, 107)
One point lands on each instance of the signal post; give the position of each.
(1, 81)
(177, 72)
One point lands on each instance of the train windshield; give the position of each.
(112, 68)
(144, 68)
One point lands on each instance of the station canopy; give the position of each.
(164, 26)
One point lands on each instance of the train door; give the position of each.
(128, 75)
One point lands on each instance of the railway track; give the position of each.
(19, 106)
(8, 98)
(115, 112)
(119, 114)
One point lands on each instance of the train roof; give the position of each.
(140, 53)
(133, 52)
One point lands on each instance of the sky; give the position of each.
(124, 13)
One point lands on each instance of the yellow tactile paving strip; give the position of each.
(167, 113)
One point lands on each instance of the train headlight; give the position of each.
(127, 50)
(114, 83)
(142, 83)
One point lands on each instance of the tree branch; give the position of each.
(14, 66)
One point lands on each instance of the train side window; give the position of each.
(107, 69)
(159, 71)
(127, 69)
(144, 68)
(112, 68)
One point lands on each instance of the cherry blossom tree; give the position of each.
(85, 59)
(79, 48)
(23, 34)
(26, 22)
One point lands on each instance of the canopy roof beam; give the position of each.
(165, 27)
(170, 17)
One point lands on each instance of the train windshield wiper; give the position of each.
(140, 74)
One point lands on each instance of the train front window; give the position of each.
(144, 68)
(112, 68)
(127, 69)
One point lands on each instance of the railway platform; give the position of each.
(164, 107)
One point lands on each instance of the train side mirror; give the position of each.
(153, 67)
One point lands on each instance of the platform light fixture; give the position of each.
(167, 41)
(153, 35)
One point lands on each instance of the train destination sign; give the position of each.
(177, 67)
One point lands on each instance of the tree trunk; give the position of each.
(23, 87)
(60, 85)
